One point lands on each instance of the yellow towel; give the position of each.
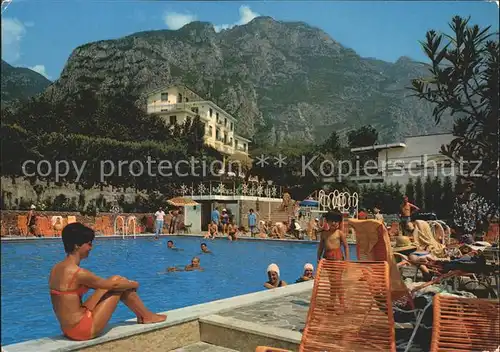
(423, 237)
(71, 219)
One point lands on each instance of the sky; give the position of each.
(41, 34)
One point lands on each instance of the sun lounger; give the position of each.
(465, 324)
(350, 310)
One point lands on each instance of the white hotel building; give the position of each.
(417, 156)
(176, 103)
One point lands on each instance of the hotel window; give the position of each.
(164, 96)
(195, 110)
(211, 131)
(210, 112)
(217, 117)
(173, 120)
(217, 134)
(236, 144)
(232, 126)
(180, 98)
(225, 122)
(187, 100)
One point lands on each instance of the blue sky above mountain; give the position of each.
(42, 34)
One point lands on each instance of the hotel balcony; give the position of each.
(165, 107)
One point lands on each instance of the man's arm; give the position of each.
(414, 207)
(346, 246)
(321, 246)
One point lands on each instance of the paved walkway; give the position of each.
(290, 313)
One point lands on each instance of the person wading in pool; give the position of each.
(195, 265)
(308, 273)
(331, 238)
(204, 248)
(170, 245)
(273, 274)
(68, 282)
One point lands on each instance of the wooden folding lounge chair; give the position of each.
(465, 324)
(348, 312)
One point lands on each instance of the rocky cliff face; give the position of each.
(21, 83)
(281, 80)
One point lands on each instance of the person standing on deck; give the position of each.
(174, 220)
(378, 216)
(215, 217)
(405, 213)
(31, 222)
(332, 238)
(160, 217)
(252, 222)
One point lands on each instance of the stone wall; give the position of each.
(17, 190)
(9, 219)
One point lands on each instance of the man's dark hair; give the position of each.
(334, 216)
(204, 244)
(76, 234)
(170, 241)
(251, 210)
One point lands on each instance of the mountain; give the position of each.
(21, 83)
(281, 80)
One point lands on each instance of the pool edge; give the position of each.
(124, 330)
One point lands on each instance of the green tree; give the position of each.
(437, 194)
(463, 81)
(362, 137)
(447, 199)
(419, 193)
(410, 190)
(428, 203)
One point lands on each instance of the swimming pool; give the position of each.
(234, 268)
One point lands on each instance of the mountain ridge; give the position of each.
(20, 83)
(283, 81)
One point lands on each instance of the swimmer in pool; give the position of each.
(273, 274)
(308, 273)
(68, 282)
(195, 265)
(204, 248)
(170, 245)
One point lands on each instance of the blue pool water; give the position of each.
(234, 268)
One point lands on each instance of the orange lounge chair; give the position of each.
(348, 312)
(22, 224)
(373, 244)
(465, 324)
(44, 226)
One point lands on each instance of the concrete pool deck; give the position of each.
(271, 318)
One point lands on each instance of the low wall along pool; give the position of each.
(234, 268)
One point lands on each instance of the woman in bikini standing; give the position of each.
(68, 282)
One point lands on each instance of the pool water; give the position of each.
(234, 268)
